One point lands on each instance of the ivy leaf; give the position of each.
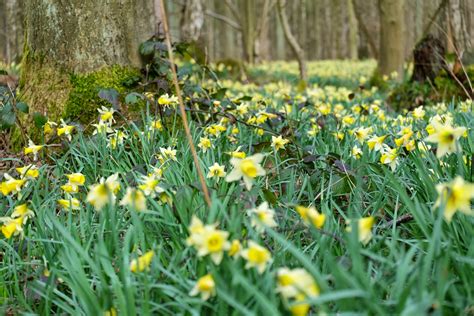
(8, 119)
(110, 95)
(22, 107)
(132, 98)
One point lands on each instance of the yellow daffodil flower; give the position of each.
(205, 286)
(364, 229)
(256, 256)
(279, 142)
(142, 263)
(216, 171)
(248, 168)
(446, 137)
(311, 216)
(134, 199)
(456, 196)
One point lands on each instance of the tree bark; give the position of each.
(79, 37)
(192, 20)
(363, 27)
(11, 31)
(291, 39)
(457, 42)
(392, 43)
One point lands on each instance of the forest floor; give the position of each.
(322, 200)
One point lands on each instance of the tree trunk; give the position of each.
(192, 20)
(291, 39)
(392, 45)
(67, 39)
(457, 42)
(365, 30)
(11, 31)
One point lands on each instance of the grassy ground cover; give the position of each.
(323, 201)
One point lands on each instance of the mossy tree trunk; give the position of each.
(66, 39)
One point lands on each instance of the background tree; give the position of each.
(392, 44)
(292, 40)
(192, 20)
(11, 30)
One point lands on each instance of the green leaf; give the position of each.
(270, 197)
(8, 118)
(39, 119)
(22, 107)
(110, 95)
(132, 98)
(219, 94)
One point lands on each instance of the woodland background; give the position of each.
(250, 30)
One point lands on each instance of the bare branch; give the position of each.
(224, 19)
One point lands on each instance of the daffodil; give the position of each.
(117, 138)
(237, 153)
(390, 157)
(216, 171)
(356, 152)
(70, 204)
(362, 133)
(213, 242)
(446, 137)
(311, 216)
(168, 153)
(104, 192)
(196, 228)
(70, 188)
(22, 211)
(455, 196)
(106, 115)
(419, 113)
(113, 183)
(102, 128)
(142, 263)
(167, 100)
(296, 281)
(256, 256)
(248, 168)
(29, 172)
(65, 130)
(235, 248)
(279, 142)
(208, 240)
(77, 179)
(205, 286)
(11, 185)
(262, 216)
(364, 226)
(156, 125)
(33, 149)
(376, 142)
(135, 199)
(48, 127)
(11, 227)
(205, 144)
(149, 185)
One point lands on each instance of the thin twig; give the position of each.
(182, 108)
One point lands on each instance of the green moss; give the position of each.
(84, 101)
